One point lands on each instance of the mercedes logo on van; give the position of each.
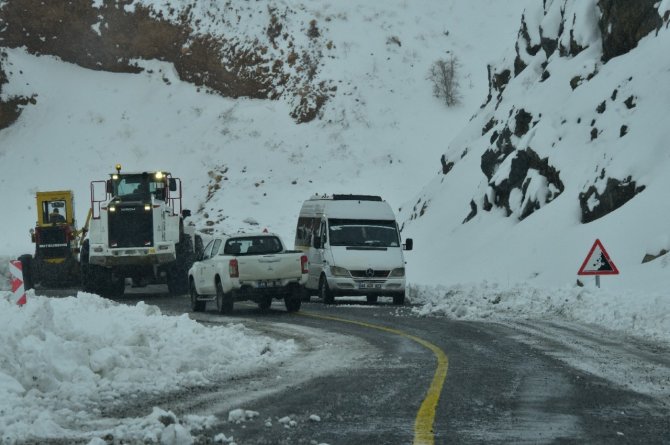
(370, 273)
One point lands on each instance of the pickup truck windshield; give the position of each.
(252, 245)
(367, 233)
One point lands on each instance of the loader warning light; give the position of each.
(118, 168)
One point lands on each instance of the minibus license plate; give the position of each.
(369, 285)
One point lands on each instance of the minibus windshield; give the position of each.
(363, 233)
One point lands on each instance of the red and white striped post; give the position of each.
(18, 290)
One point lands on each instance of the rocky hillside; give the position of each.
(209, 43)
(515, 164)
(571, 116)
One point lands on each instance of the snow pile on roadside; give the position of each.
(639, 314)
(63, 360)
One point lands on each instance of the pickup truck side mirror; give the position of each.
(409, 244)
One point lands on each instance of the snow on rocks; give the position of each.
(240, 415)
(288, 422)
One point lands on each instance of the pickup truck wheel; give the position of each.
(224, 302)
(324, 291)
(399, 300)
(196, 305)
(292, 303)
(371, 298)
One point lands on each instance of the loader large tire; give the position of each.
(28, 271)
(177, 279)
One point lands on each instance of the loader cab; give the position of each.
(55, 208)
(139, 186)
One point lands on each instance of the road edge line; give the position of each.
(425, 418)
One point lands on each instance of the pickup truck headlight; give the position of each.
(399, 272)
(339, 271)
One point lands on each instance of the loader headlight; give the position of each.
(339, 271)
(147, 207)
(112, 209)
(399, 272)
(159, 175)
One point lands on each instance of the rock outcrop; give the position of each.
(518, 179)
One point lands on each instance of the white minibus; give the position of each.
(353, 246)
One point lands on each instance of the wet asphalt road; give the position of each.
(503, 385)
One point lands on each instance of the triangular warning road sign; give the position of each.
(598, 262)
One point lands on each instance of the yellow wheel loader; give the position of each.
(55, 262)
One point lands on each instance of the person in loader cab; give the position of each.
(56, 217)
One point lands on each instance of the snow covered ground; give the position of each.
(86, 368)
(64, 360)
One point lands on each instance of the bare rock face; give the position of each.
(108, 37)
(10, 109)
(624, 22)
(534, 181)
(617, 192)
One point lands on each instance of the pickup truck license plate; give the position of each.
(369, 285)
(264, 284)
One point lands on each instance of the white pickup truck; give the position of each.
(254, 267)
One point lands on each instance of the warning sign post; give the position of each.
(18, 289)
(598, 262)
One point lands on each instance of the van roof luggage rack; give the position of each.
(356, 198)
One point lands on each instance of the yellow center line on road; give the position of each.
(423, 425)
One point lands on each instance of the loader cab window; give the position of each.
(138, 187)
(54, 211)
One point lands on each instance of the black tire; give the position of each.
(372, 299)
(324, 291)
(93, 279)
(294, 301)
(108, 285)
(177, 279)
(117, 287)
(264, 303)
(224, 302)
(199, 247)
(27, 269)
(196, 305)
(87, 280)
(399, 299)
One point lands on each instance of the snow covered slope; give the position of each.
(247, 160)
